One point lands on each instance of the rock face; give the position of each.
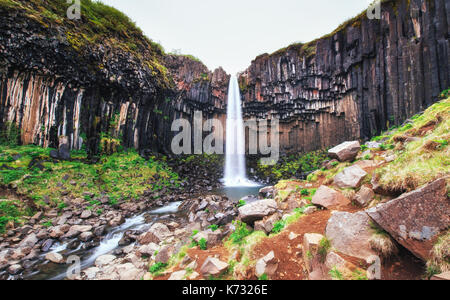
(328, 197)
(257, 210)
(355, 82)
(350, 234)
(351, 177)
(346, 151)
(415, 219)
(52, 86)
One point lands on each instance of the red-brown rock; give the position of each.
(415, 219)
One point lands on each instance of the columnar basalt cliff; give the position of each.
(76, 79)
(55, 81)
(365, 77)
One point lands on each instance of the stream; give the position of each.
(110, 243)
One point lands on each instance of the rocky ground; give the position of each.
(374, 211)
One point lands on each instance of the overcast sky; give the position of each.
(231, 33)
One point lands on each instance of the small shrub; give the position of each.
(241, 232)
(335, 274)
(214, 227)
(157, 267)
(263, 277)
(203, 244)
(278, 227)
(241, 203)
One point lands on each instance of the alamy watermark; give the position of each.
(374, 10)
(74, 10)
(263, 139)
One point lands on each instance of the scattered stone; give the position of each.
(213, 267)
(29, 241)
(311, 242)
(46, 245)
(15, 269)
(148, 250)
(346, 151)
(104, 260)
(364, 196)
(328, 197)
(443, 276)
(416, 218)
(86, 236)
(293, 236)
(267, 265)
(86, 214)
(55, 258)
(351, 177)
(156, 234)
(266, 225)
(129, 272)
(164, 254)
(257, 210)
(91, 273)
(180, 275)
(267, 192)
(350, 234)
(310, 210)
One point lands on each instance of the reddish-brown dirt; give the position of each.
(291, 266)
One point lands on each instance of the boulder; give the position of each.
(328, 197)
(129, 272)
(29, 241)
(267, 265)
(86, 236)
(311, 242)
(156, 234)
(351, 177)
(267, 192)
(266, 225)
(164, 254)
(443, 276)
(415, 219)
(55, 258)
(213, 267)
(350, 234)
(104, 260)
(212, 238)
(15, 269)
(148, 250)
(364, 196)
(86, 214)
(257, 210)
(180, 275)
(346, 151)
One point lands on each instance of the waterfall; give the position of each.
(235, 172)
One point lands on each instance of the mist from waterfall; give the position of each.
(235, 168)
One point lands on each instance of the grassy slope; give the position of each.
(121, 176)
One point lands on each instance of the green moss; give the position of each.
(123, 175)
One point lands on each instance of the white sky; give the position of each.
(231, 33)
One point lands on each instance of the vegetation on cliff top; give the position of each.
(99, 24)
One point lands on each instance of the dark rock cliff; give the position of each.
(365, 77)
(55, 82)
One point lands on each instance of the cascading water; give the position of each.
(235, 172)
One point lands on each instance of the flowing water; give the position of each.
(235, 169)
(108, 244)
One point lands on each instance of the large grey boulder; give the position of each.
(350, 234)
(257, 210)
(346, 151)
(351, 177)
(415, 219)
(328, 197)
